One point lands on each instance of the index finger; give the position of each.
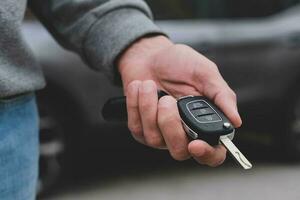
(212, 85)
(225, 99)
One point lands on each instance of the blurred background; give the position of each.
(256, 45)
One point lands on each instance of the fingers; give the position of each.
(142, 103)
(134, 121)
(171, 128)
(148, 101)
(206, 154)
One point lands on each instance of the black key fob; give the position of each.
(203, 120)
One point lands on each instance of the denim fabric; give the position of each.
(18, 148)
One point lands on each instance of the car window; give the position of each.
(196, 9)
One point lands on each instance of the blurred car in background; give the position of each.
(259, 58)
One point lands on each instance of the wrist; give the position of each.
(142, 52)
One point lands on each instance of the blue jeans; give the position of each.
(18, 148)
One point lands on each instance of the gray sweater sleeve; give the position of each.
(98, 30)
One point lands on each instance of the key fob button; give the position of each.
(208, 118)
(197, 105)
(202, 111)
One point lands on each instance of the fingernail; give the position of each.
(239, 120)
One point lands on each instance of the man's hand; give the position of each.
(156, 63)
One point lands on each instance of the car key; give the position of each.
(201, 119)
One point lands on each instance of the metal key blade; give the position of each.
(235, 152)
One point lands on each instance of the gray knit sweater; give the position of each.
(98, 30)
